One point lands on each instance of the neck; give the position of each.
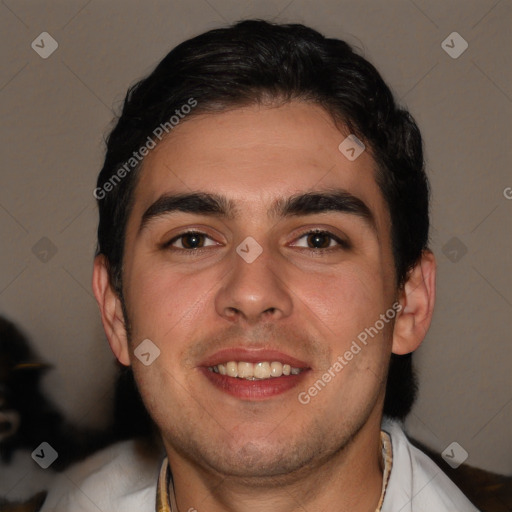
(349, 480)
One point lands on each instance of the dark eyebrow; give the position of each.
(203, 203)
(337, 200)
(198, 203)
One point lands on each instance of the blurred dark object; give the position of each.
(489, 492)
(34, 504)
(27, 416)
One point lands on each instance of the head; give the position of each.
(235, 134)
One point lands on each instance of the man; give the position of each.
(263, 266)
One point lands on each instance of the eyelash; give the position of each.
(342, 244)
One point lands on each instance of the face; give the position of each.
(276, 279)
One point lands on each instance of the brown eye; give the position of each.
(319, 240)
(192, 240)
(189, 240)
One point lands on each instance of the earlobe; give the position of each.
(111, 311)
(417, 299)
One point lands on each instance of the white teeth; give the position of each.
(232, 369)
(262, 370)
(251, 371)
(245, 370)
(276, 369)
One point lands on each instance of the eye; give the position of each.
(318, 239)
(189, 240)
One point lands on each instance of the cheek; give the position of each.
(159, 388)
(346, 308)
(345, 302)
(161, 300)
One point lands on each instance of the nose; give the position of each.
(254, 292)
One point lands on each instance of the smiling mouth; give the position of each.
(254, 371)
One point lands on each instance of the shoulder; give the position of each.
(121, 477)
(416, 483)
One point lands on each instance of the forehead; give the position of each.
(256, 155)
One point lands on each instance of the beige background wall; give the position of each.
(55, 112)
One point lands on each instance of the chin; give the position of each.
(265, 461)
(259, 466)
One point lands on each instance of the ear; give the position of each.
(111, 310)
(417, 299)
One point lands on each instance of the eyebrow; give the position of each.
(215, 205)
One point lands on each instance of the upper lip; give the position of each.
(252, 356)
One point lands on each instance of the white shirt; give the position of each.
(416, 483)
(123, 478)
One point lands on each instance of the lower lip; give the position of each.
(253, 389)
